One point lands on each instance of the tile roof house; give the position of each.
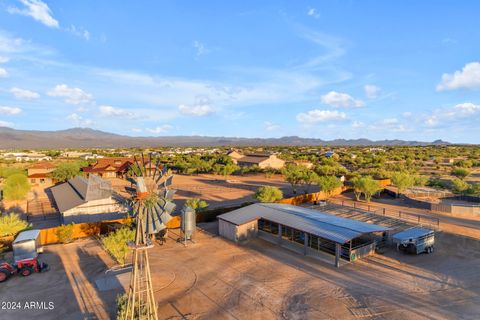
(87, 200)
(39, 174)
(109, 167)
(262, 160)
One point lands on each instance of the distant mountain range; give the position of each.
(90, 138)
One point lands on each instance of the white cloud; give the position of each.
(109, 111)
(341, 100)
(3, 73)
(6, 124)
(459, 114)
(79, 120)
(38, 10)
(467, 78)
(10, 111)
(269, 126)
(371, 91)
(312, 12)
(79, 32)
(24, 94)
(316, 115)
(160, 129)
(201, 108)
(200, 48)
(4, 59)
(467, 108)
(71, 95)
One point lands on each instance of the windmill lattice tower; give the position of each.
(151, 206)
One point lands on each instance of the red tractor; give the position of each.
(26, 248)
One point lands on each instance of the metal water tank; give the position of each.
(188, 222)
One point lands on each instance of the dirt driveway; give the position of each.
(67, 290)
(216, 279)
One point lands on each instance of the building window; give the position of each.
(268, 226)
(32, 180)
(42, 180)
(298, 236)
(287, 233)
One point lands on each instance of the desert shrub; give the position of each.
(268, 194)
(66, 171)
(11, 224)
(196, 204)
(16, 187)
(122, 303)
(65, 233)
(459, 186)
(116, 243)
(461, 173)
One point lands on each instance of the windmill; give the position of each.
(151, 206)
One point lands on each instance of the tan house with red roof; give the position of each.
(109, 167)
(39, 174)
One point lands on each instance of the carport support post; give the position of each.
(305, 243)
(338, 249)
(279, 233)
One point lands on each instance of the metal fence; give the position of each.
(386, 212)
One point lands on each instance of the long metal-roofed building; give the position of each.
(303, 230)
(87, 200)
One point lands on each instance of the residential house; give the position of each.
(235, 156)
(109, 167)
(39, 174)
(89, 199)
(262, 160)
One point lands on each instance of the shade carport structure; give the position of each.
(303, 230)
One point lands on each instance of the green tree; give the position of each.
(116, 243)
(196, 204)
(308, 177)
(66, 171)
(461, 173)
(16, 187)
(357, 187)
(420, 181)
(268, 194)
(370, 187)
(293, 174)
(11, 224)
(225, 169)
(402, 180)
(459, 186)
(328, 184)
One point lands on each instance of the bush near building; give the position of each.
(65, 233)
(116, 243)
(11, 224)
(268, 194)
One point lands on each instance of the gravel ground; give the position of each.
(216, 279)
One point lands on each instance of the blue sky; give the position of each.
(323, 69)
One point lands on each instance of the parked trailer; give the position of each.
(415, 240)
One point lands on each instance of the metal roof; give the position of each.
(318, 223)
(27, 235)
(412, 233)
(79, 190)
